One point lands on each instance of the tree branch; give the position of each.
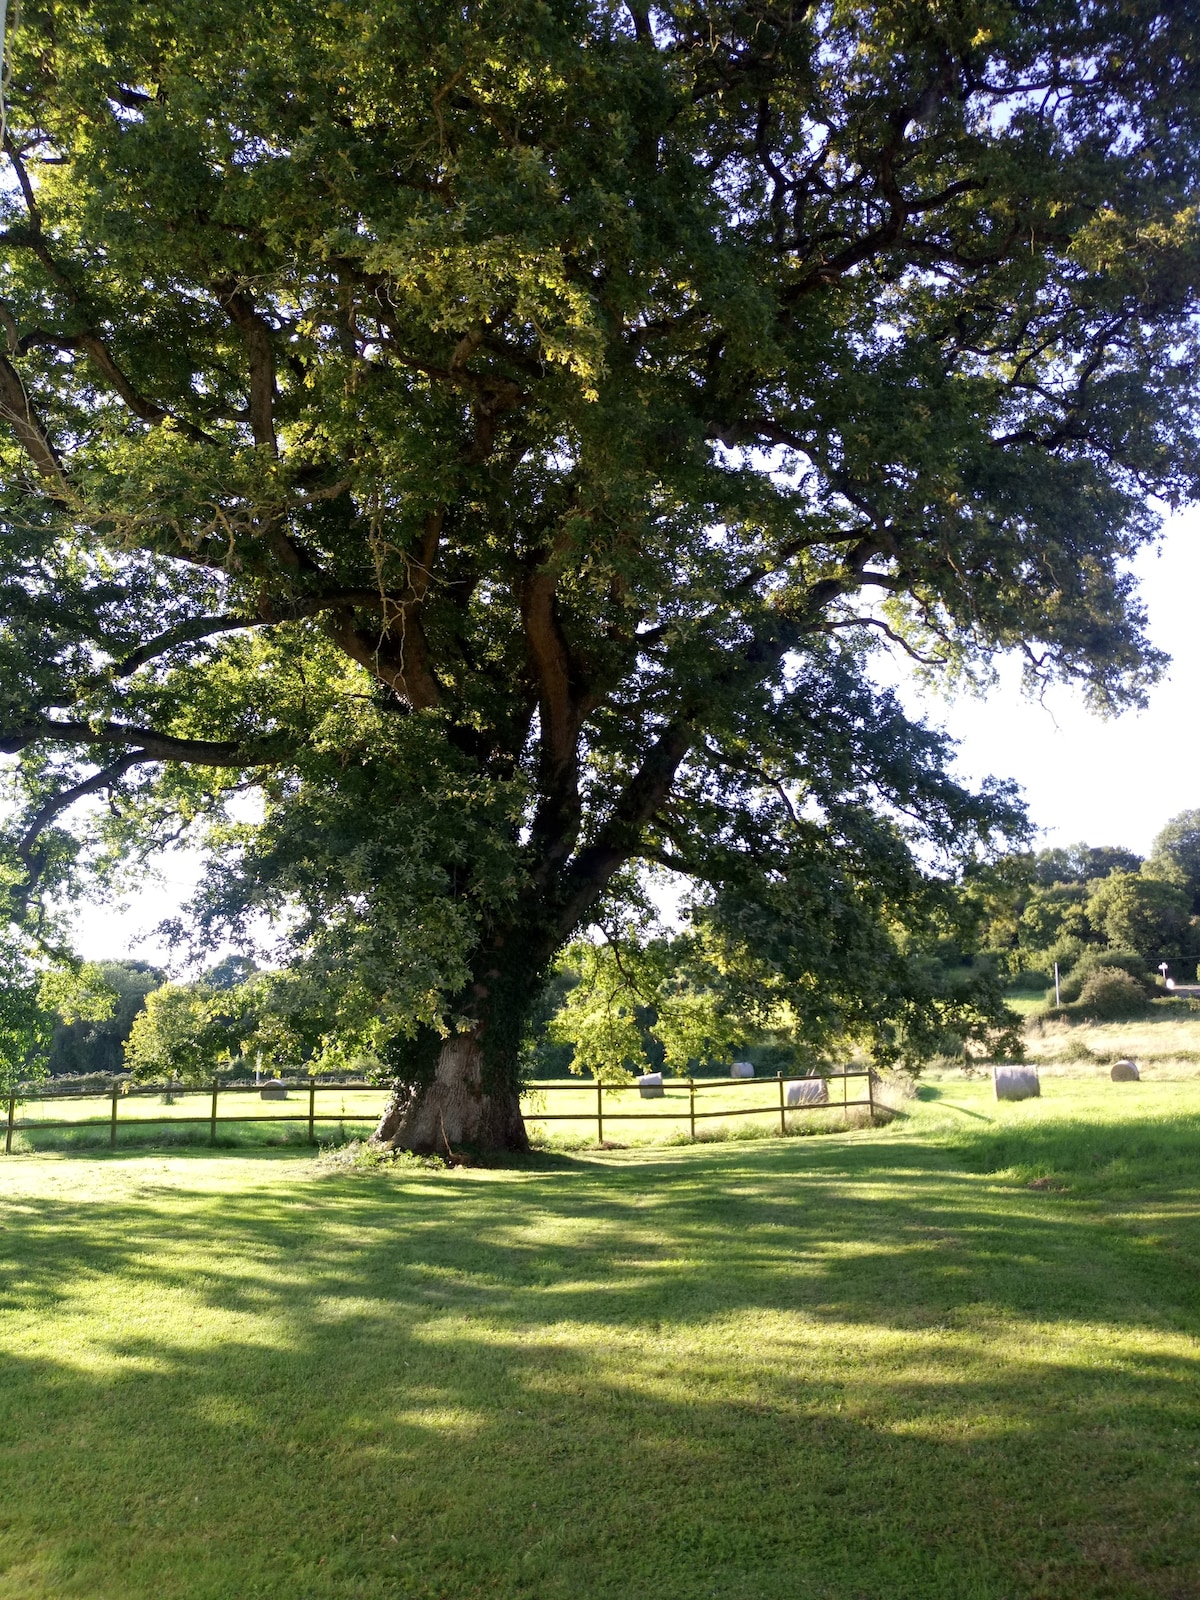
(896, 638)
(620, 838)
(185, 633)
(261, 353)
(15, 405)
(151, 746)
(271, 615)
(46, 813)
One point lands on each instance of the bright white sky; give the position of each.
(1104, 782)
(1083, 779)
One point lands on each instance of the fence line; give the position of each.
(123, 1092)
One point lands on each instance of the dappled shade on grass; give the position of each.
(877, 1364)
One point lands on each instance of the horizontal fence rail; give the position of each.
(122, 1093)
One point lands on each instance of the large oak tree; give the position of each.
(495, 434)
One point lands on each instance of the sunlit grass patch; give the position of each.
(876, 1363)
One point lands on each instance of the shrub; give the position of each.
(1076, 1050)
(1109, 994)
(1091, 961)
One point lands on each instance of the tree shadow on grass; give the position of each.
(855, 1370)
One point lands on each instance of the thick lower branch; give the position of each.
(260, 352)
(401, 661)
(621, 837)
(151, 746)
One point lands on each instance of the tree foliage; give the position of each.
(94, 1041)
(1109, 995)
(25, 1025)
(1060, 912)
(497, 435)
(33, 992)
(1080, 863)
(1144, 914)
(187, 1032)
(1175, 855)
(1109, 957)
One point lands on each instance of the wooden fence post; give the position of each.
(212, 1121)
(112, 1127)
(692, 1104)
(12, 1111)
(599, 1112)
(312, 1107)
(782, 1118)
(871, 1092)
(845, 1096)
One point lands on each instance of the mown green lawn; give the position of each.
(866, 1366)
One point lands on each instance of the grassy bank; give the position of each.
(1165, 1043)
(953, 1358)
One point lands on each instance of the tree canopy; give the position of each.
(90, 1043)
(496, 436)
(1080, 863)
(1143, 914)
(1175, 854)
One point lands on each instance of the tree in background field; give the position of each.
(33, 992)
(1056, 913)
(497, 437)
(1083, 907)
(1175, 855)
(96, 1044)
(1143, 914)
(188, 1032)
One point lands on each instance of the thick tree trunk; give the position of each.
(455, 1111)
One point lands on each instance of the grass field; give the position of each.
(1166, 1043)
(952, 1359)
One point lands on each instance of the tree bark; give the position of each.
(454, 1111)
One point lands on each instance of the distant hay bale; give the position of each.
(742, 1069)
(808, 1092)
(273, 1089)
(1016, 1083)
(1125, 1072)
(650, 1086)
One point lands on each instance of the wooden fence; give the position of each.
(600, 1116)
(122, 1097)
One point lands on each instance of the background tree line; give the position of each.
(684, 1001)
(1087, 910)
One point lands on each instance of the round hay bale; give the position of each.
(808, 1092)
(1125, 1072)
(742, 1069)
(273, 1089)
(1016, 1083)
(650, 1086)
